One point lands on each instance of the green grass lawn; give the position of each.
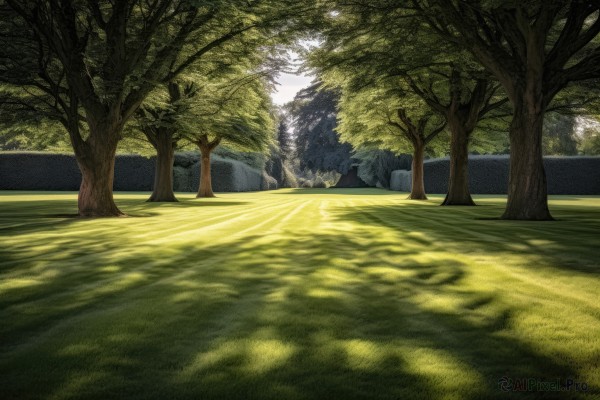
(295, 294)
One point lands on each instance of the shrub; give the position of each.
(401, 180)
(268, 182)
(319, 183)
(376, 166)
(305, 183)
(38, 171)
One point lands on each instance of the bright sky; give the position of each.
(289, 85)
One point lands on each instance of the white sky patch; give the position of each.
(289, 85)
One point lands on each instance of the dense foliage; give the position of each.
(318, 147)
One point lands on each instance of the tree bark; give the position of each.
(417, 191)
(206, 147)
(97, 165)
(458, 182)
(205, 187)
(163, 175)
(527, 186)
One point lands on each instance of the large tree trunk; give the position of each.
(205, 187)
(163, 175)
(527, 186)
(417, 191)
(458, 183)
(97, 165)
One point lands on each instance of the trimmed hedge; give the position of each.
(38, 171)
(489, 175)
(268, 182)
(134, 173)
(401, 180)
(47, 171)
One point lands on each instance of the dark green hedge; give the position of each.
(48, 171)
(38, 171)
(489, 174)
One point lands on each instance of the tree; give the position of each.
(235, 110)
(318, 147)
(534, 49)
(111, 55)
(284, 139)
(390, 118)
(162, 117)
(159, 125)
(365, 44)
(466, 101)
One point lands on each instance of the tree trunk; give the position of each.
(527, 187)
(163, 175)
(458, 183)
(417, 191)
(205, 187)
(97, 165)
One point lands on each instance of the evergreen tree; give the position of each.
(317, 143)
(284, 139)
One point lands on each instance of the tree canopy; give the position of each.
(95, 62)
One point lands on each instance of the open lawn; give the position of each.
(296, 294)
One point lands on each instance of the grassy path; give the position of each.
(296, 294)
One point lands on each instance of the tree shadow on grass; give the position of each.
(323, 316)
(570, 243)
(26, 216)
(46, 205)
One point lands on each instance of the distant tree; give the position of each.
(318, 147)
(281, 155)
(391, 117)
(284, 139)
(559, 135)
(589, 141)
(238, 113)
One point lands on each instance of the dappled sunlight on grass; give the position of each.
(273, 295)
